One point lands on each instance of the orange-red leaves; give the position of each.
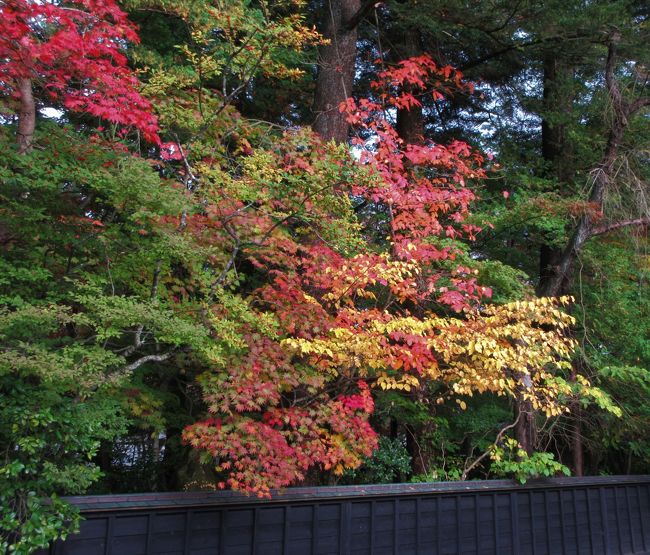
(76, 51)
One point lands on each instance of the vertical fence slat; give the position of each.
(563, 519)
(254, 550)
(531, 505)
(418, 526)
(108, 547)
(495, 523)
(629, 518)
(644, 531)
(590, 512)
(222, 532)
(396, 520)
(514, 522)
(285, 533)
(548, 521)
(618, 523)
(314, 528)
(604, 516)
(477, 522)
(188, 527)
(344, 527)
(458, 526)
(438, 526)
(150, 519)
(372, 525)
(575, 521)
(533, 536)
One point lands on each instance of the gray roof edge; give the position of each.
(149, 501)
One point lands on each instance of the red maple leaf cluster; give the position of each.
(75, 53)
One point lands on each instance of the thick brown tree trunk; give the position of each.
(410, 128)
(526, 429)
(26, 116)
(336, 66)
(557, 152)
(525, 426)
(556, 148)
(410, 123)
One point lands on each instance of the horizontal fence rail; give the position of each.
(600, 515)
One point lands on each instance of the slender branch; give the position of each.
(516, 46)
(226, 269)
(268, 232)
(508, 19)
(137, 340)
(360, 14)
(469, 468)
(147, 358)
(638, 104)
(601, 230)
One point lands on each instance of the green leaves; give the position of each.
(49, 435)
(509, 460)
(388, 464)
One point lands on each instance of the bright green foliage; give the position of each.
(76, 286)
(510, 460)
(615, 315)
(56, 404)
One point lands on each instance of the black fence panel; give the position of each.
(603, 515)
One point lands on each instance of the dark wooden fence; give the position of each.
(599, 515)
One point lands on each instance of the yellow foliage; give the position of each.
(517, 349)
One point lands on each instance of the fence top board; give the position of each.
(144, 501)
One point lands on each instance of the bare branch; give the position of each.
(137, 340)
(147, 358)
(360, 14)
(469, 468)
(601, 230)
(638, 104)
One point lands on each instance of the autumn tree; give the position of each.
(73, 54)
(354, 319)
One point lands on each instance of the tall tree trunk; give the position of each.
(26, 116)
(602, 176)
(410, 123)
(336, 63)
(525, 426)
(556, 148)
(577, 449)
(556, 280)
(557, 152)
(526, 429)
